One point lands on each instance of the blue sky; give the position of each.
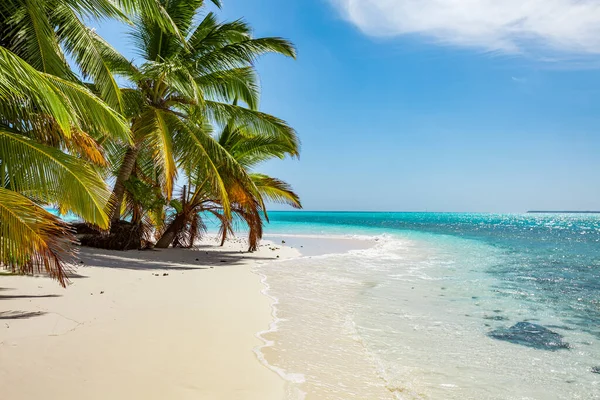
(400, 108)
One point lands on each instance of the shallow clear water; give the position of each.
(422, 314)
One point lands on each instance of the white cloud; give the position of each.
(512, 26)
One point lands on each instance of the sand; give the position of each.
(140, 325)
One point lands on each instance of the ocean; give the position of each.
(440, 306)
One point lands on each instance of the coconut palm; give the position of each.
(45, 32)
(41, 115)
(246, 198)
(52, 125)
(183, 80)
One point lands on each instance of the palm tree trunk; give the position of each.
(116, 199)
(174, 228)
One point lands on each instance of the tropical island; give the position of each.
(562, 212)
(153, 237)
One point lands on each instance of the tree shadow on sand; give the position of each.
(27, 296)
(20, 314)
(163, 260)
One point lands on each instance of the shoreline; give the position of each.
(309, 246)
(394, 321)
(293, 320)
(173, 323)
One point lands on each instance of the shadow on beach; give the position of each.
(9, 315)
(197, 258)
(18, 314)
(26, 296)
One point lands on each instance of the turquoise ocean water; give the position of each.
(444, 306)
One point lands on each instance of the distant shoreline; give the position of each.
(562, 212)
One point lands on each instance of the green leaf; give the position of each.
(53, 177)
(255, 121)
(25, 91)
(34, 39)
(32, 238)
(237, 83)
(90, 52)
(95, 115)
(154, 127)
(276, 190)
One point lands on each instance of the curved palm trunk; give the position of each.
(256, 231)
(223, 236)
(116, 199)
(174, 228)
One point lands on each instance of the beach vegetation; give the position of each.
(249, 146)
(87, 131)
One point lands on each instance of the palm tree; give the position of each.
(185, 78)
(44, 32)
(246, 198)
(40, 116)
(52, 124)
(56, 130)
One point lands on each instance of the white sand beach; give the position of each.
(169, 324)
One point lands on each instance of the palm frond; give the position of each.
(251, 149)
(25, 91)
(241, 54)
(250, 214)
(32, 239)
(173, 80)
(160, 28)
(210, 35)
(90, 52)
(53, 177)
(33, 37)
(83, 145)
(237, 83)
(276, 190)
(209, 160)
(154, 126)
(152, 10)
(254, 120)
(182, 13)
(96, 9)
(134, 102)
(95, 115)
